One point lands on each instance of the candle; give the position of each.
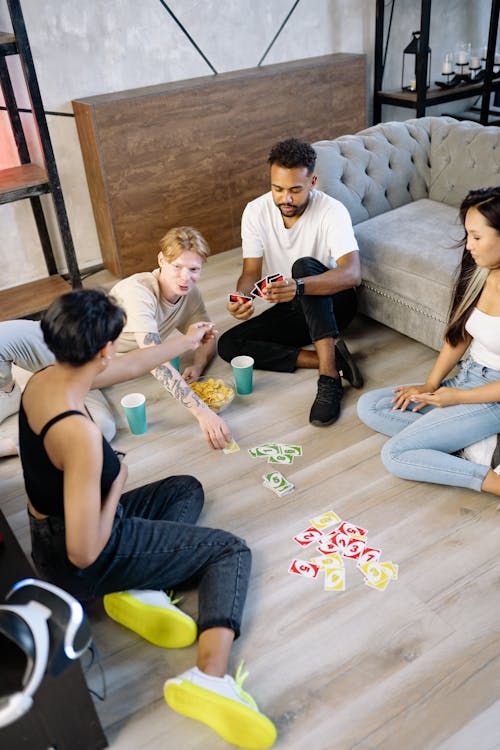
(413, 84)
(447, 68)
(462, 58)
(475, 63)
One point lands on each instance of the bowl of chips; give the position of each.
(217, 393)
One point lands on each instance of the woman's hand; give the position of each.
(199, 333)
(441, 397)
(407, 394)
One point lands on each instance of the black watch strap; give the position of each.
(300, 287)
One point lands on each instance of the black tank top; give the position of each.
(43, 481)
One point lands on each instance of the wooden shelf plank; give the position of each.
(8, 45)
(24, 181)
(27, 300)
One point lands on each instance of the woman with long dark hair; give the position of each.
(92, 540)
(431, 422)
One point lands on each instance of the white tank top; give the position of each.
(485, 332)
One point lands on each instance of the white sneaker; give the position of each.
(480, 452)
(152, 615)
(223, 705)
(9, 402)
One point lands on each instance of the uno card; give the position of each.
(339, 539)
(274, 277)
(277, 483)
(239, 297)
(356, 532)
(308, 536)
(369, 554)
(354, 549)
(231, 447)
(280, 458)
(330, 518)
(379, 575)
(266, 449)
(303, 568)
(260, 287)
(291, 450)
(327, 547)
(334, 579)
(329, 561)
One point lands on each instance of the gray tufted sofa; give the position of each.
(402, 183)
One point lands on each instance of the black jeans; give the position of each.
(275, 337)
(155, 544)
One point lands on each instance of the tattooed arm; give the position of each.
(213, 427)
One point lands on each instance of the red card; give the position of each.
(304, 568)
(308, 536)
(236, 297)
(356, 532)
(354, 549)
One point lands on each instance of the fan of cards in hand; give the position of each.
(337, 541)
(259, 289)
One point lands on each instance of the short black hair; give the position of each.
(77, 325)
(293, 153)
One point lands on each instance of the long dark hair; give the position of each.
(471, 279)
(77, 325)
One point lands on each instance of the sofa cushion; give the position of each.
(378, 169)
(412, 251)
(464, 156)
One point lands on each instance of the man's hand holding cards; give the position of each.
(240, 305)
(263, 286)
(280, 289)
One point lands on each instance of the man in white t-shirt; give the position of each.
(306, 236)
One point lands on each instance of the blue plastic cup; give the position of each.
(134, 406)
(176, 362)
(243, 374)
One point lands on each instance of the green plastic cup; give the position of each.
(243, 374)
(134, 406)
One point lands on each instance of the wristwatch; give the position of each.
(300, 288)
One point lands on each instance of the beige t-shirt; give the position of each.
(149, 312)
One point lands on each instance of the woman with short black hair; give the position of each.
(92, 540)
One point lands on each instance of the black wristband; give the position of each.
(300, 288)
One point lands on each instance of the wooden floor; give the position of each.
(415, 667)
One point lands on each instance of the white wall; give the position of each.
(87, 47)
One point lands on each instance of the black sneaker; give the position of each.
(326, 407)
(347, 366)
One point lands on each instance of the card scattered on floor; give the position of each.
(276, 482)
(337, 541)
(276, 453)
(231, 447)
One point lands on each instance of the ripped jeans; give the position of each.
(422, 443)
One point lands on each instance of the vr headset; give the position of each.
(49, 628)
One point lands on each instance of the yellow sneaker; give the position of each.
(222, 704)
(152, 615)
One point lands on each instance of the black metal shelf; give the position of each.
(427, 97)
(28, 180)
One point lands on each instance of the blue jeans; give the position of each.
(275, 337)
(154, 544)
(422, 443)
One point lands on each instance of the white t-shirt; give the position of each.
(324, 231)
(485, 332)
(149, 312)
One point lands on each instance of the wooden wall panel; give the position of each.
(194, 152)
